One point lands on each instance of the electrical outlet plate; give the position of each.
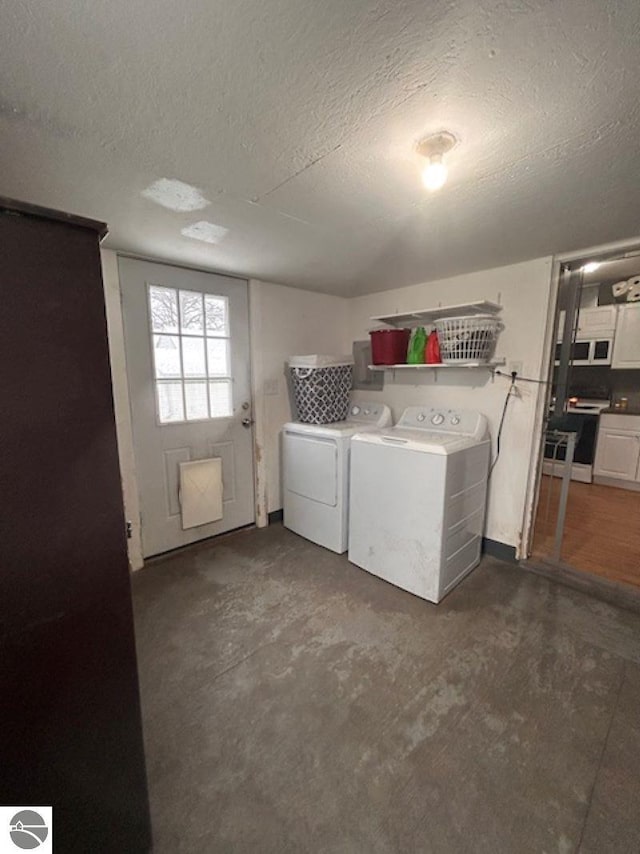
(271, 386)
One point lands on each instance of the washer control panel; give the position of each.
(460, 421)
(376, 414)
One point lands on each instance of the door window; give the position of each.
(191, 354)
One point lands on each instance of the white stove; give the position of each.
(582, 469)
(586, 405)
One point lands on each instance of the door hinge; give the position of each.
(129, 529)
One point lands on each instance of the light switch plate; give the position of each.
(271, 387)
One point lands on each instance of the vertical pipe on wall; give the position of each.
(259, 414)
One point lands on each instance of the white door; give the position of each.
(187, 347)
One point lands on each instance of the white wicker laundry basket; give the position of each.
(470, 338)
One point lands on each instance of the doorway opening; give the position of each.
(589, 486)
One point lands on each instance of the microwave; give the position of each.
(594, 351)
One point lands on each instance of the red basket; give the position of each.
(389, 346)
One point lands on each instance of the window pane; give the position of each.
(220, 399)
(163, 307)
(218, 357)
(193, 364)
(191, 316)
(217, 315)
(166, 356)
(170, 403)
(196, 399)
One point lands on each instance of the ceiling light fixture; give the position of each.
(208, 232)
(175, 195)
(434, 148)
(591, 267)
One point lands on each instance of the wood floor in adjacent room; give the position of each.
(601, 533)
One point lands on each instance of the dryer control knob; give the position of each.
(420, 416)
(455, 420)
(438, 418)
(355, 410)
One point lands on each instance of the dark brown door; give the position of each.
(71, 727)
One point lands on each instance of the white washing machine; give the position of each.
(417, 499)
(316, 474)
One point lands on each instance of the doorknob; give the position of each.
(247, 422)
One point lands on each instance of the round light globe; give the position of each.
(434, 174)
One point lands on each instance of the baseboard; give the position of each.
(613, 592)
(616, 483)
(502, 551)
(579, 471)
(276, 516)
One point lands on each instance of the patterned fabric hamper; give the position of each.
(321, 387)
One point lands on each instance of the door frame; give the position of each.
(534, 480)
(120, 384)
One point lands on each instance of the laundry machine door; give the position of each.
(311, 467)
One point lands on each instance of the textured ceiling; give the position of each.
(297, 120)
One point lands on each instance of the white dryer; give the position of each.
(316, 474)
(417, 499)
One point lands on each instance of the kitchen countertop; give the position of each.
(630, 410)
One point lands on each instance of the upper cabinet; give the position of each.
(626, 348)
(598, 322)
(593, 323)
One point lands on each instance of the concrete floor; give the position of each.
(294, 703)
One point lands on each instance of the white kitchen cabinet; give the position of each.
(626, 348)
(617, 455)
(593, 323)
(618, 448)
(597, 322)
